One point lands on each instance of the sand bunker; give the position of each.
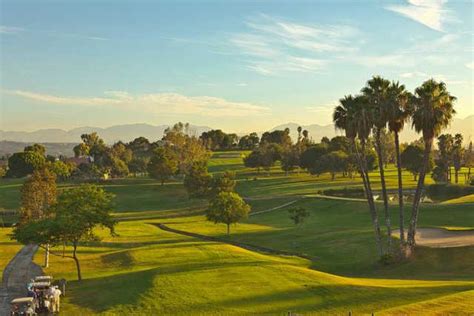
(443, 238)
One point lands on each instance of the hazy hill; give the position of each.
(54, 149)
(316, 132)
(111, 134)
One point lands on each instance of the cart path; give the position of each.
(16, 275)
(443, 238)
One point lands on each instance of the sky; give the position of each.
(240, 66)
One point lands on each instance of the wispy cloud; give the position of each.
(470, 65)
(414, 74)
(10, 29)
(15, 30)
(274, 45)
(431, 13)
(322, 109)
(163, 103)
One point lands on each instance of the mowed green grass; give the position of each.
(147, 271)
(464, 199)
(8, 248)
(338, 236)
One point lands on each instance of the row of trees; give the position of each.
(216, 139)
(384, 104)
(452, 153)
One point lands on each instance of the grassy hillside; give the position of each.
(145, 270)
(148, 271)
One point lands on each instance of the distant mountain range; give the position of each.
(110, 135)
(316, 132)
(58, 141)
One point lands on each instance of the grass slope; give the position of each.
(148, 271)
(164, 273)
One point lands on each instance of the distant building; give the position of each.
(80, 160)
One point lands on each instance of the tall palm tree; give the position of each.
(376, 93)
(351, 117)
(432, 112)
(299, 129)
(398, 112)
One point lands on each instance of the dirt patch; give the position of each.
(443, 238)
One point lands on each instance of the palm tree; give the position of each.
(397, 114)
(351, 116)
(432, 112)
(299, 129)
(376, 93)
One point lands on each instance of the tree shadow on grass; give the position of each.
(105, 293)
(101, 294)
(335, 299)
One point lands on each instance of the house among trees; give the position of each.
(80, 160)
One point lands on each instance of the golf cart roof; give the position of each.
(41, 284)
(22, 300)
(41, 278)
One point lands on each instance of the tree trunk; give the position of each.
(78, 266)
(46, 257)
(456, 175)
(384, 189)
(162, 182)
(368, 193)
(400, 190)
(416, 201)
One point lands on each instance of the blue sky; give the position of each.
(237, 65)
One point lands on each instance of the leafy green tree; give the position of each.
(217, 139)
(61, 169)
(40, 149)
(77, 213)
(38, 195)
(412, 159)
(290, 159)
(333, 162)
(162, 165)
(228, 208)
(139, 164)
(469, 160)
(445, 157)
(22, 164)
(223, 183)
(81, 150)
(310, 157)
(281, 137)
(250, 141)
(187, 149)
(340, 143)
(253, 160)
(197, 181)
(140, 147)
(298, 215)
(432, 112)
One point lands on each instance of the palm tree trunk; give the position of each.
(384, 189)
(362, 161)
(416, 201)
(400, 189)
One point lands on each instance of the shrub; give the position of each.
(442, 191)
